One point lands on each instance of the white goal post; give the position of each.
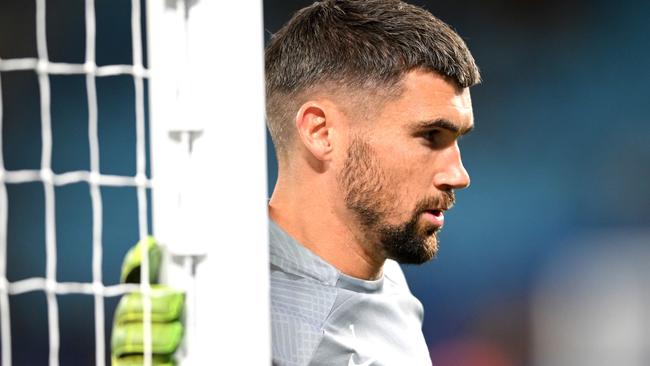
(207, 180)
(209, 172)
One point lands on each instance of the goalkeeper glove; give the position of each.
(127, 343)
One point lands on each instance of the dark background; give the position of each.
(561, 150)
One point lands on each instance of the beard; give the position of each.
(371, 196)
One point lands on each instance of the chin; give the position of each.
(432, 246)
(414, 242)
(429, 242)
(417, 251)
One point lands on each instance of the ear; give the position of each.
(314, 129)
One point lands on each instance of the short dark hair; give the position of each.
(357, 45)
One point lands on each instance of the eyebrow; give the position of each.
(444, 124)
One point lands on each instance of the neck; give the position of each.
(306, 209)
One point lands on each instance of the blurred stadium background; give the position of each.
(546, 258)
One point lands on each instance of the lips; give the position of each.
(433, 208)
(436, 217)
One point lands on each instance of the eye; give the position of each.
(433, 137)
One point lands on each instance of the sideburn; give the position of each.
(363, 184)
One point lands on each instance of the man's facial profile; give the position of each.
(371, 194)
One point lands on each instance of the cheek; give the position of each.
(410, 170)
(403, 185)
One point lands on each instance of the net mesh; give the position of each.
(44, 69)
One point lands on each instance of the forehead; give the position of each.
(428, 96)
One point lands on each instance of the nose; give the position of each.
(451, 173)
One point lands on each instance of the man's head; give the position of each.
(372, 95)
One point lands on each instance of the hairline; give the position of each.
(345, 95)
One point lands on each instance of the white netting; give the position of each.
(93, 177)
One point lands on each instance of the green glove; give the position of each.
(127, 344)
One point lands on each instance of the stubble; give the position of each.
(372, 195)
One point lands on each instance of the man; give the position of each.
(365, 102)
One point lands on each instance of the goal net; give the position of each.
(171, 144)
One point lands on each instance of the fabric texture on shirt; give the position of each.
(320, 316)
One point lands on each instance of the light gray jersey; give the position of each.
(320, 316)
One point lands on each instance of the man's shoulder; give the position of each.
(299, 308)
(304, 298)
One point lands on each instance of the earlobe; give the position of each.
(314, 130)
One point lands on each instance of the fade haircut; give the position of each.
(360, 46)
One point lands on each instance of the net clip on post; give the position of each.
(186, 245)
